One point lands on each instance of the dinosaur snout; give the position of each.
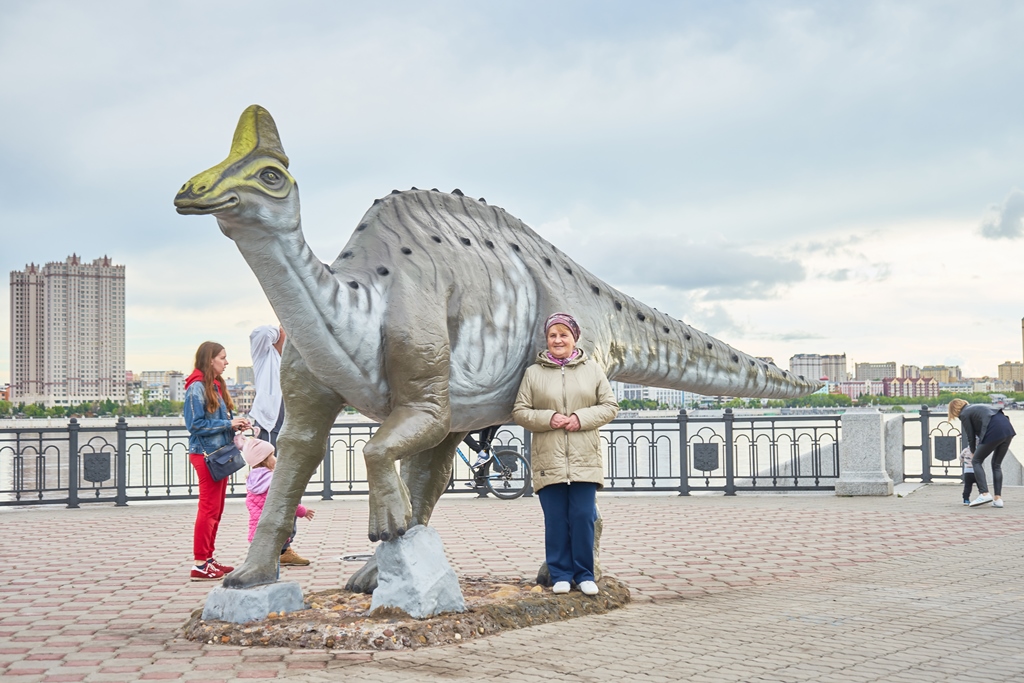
(193, 199)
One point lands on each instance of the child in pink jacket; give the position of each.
(256, 486)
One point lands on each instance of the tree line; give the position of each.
(104, 408)
(835, 401)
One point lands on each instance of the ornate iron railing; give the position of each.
(932, 444)
(118, 464)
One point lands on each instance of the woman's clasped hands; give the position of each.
(569, 423)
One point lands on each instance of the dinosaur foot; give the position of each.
(390, 515)
(251, 574)
(365, 578)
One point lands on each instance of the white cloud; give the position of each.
(1006, 221)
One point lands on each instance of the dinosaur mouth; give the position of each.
(186, 207)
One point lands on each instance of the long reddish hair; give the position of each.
(205, 354)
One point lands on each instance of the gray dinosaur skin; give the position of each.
(426, 322)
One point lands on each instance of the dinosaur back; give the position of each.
(503, 280)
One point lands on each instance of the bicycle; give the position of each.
(505, 473)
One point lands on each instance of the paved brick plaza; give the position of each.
(750, 588)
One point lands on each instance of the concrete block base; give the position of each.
(242, 605)
(864, 484)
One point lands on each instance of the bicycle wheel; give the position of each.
(507, 474)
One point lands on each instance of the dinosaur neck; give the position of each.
(314, 310)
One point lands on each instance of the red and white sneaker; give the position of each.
(206, 572)
(223, 568)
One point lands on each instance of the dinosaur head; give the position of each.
(251, 189)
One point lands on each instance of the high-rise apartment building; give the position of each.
(910, 371)
(67, 332)
(806, 365)
(944, 374)
(870, 371)
(245, 375)
(1012, 372)
(815, 366)
(833, 366)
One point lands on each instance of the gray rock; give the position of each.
(413, 574)
(242, 605)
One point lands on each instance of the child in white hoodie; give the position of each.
(967, 460)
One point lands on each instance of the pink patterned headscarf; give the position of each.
(563, 319)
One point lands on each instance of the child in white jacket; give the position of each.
(967, 460)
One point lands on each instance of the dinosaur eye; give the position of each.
(270, 176)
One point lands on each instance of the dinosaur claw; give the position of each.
(385, 536)
(373, 538)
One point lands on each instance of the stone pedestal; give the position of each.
(414, 575)
(862, 456)
(894, 455)
(242, 605)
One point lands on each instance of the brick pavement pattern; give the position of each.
(747, 588)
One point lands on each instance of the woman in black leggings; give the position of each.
(988, 432)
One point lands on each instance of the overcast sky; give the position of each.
(791, 177)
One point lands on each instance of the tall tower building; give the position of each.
(28, 369)
(67, 332)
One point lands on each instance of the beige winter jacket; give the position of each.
(579, 388)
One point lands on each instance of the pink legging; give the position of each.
(211, 507)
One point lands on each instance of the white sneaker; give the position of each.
(997, 503)
(481, 458)
(588, 588)
(981, 500)
(560, 587)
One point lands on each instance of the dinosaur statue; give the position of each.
(426, 322)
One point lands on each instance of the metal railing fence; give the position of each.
(932, 444)
(727, 453)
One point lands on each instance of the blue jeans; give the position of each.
(295, 530)
(570, 511)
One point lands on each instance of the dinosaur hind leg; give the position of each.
(310, 410)
(426, 475)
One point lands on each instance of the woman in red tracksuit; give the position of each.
(210, 426)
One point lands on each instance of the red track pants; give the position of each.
(211, 507)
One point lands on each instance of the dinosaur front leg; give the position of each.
(427, 475)
(416, 357)
(310, 410)
(406, 431)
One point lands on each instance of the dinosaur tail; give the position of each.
(650, 348)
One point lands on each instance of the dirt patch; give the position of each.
(338, 619)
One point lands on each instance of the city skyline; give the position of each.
(788, 177)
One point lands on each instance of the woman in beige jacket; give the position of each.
(564, 399)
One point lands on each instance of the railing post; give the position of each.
(328, 490)
(122, 463)
(73, 428)
(730, 466)
(684, 460)
(926, 447)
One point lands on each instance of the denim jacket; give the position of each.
(206, 431)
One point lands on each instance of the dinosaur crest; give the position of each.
(256, 132)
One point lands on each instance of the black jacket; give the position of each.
(974, 419)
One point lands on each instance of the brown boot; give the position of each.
(290, 558)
